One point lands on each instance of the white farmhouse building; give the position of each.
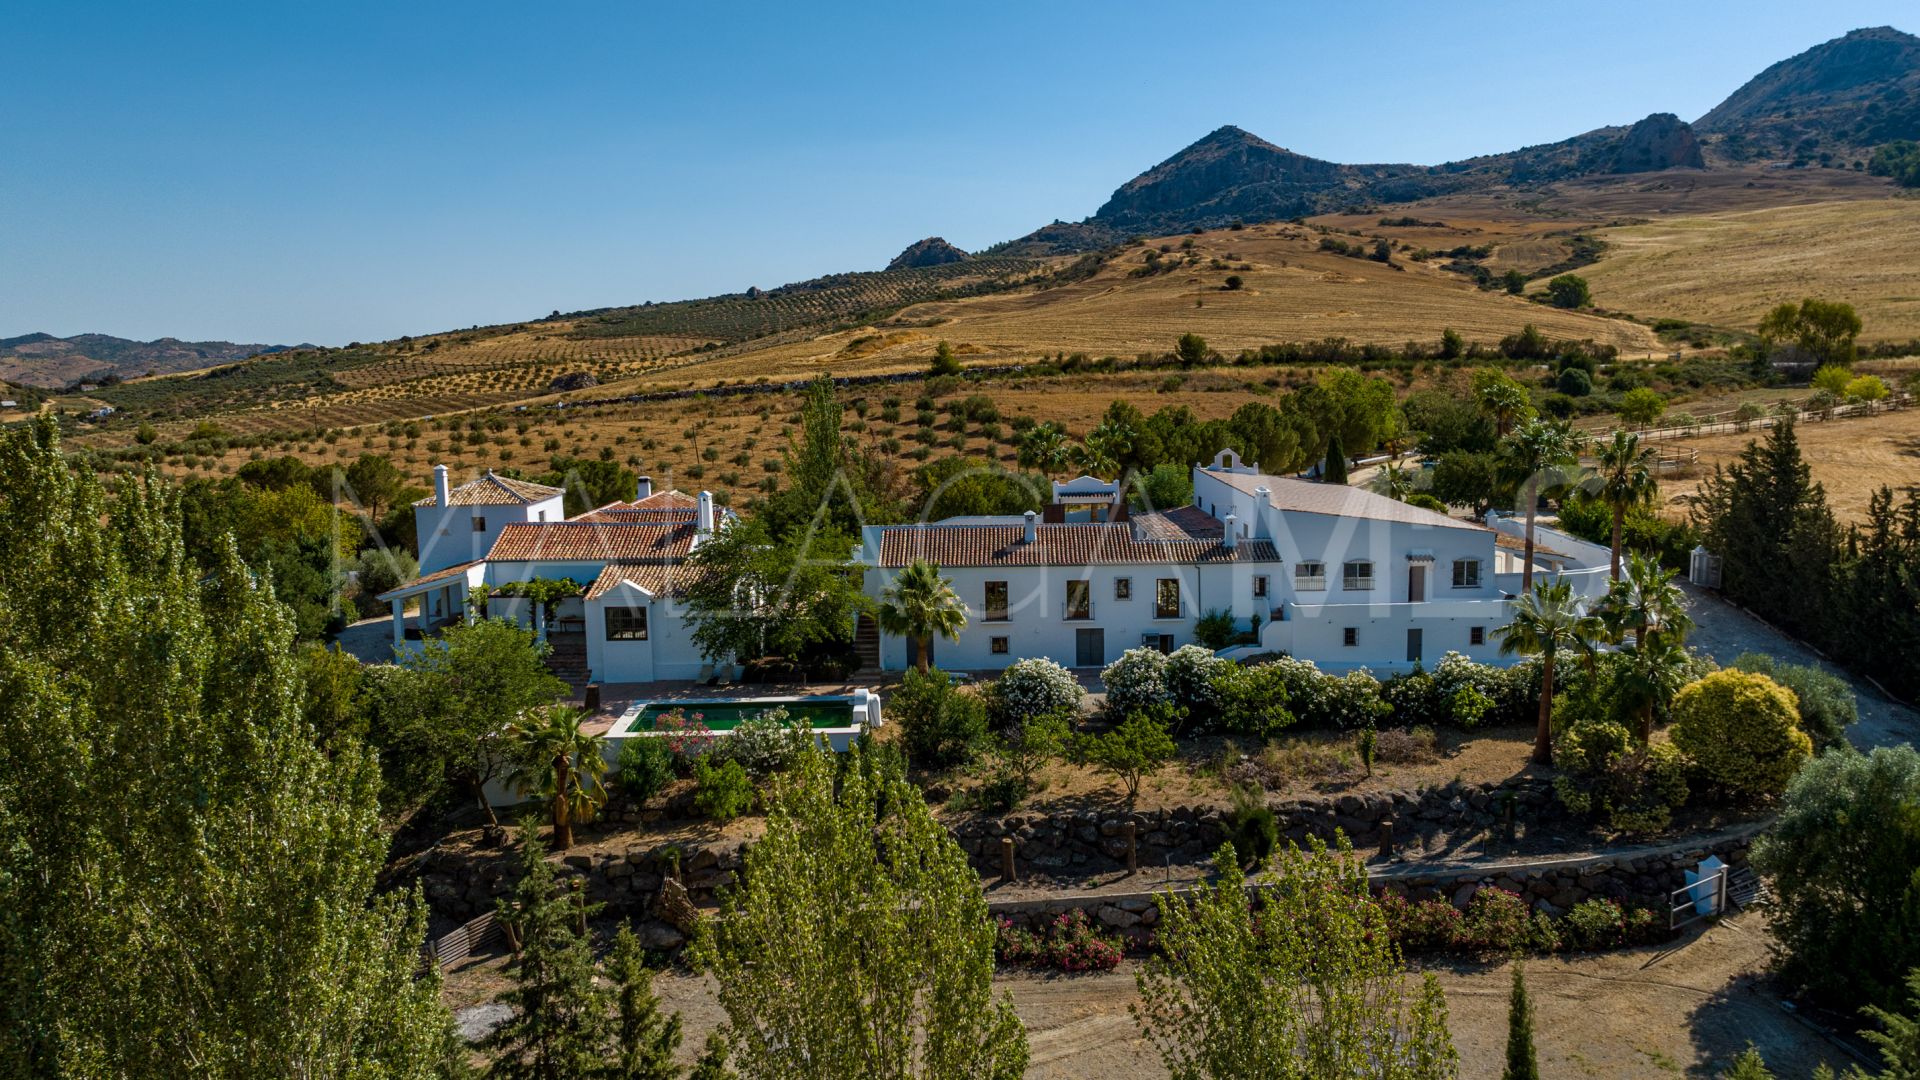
(1334, 574)
(625, 556)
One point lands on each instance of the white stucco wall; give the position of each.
(445, 536)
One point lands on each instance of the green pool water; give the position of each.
(819, 713)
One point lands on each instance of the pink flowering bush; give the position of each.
(1072, 944)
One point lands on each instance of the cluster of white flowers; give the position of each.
(1036, 687)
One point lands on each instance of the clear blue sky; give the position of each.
(327, 172)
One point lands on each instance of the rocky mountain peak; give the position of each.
(933, 251)
(1661, 141)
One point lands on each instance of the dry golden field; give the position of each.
(1851, 457)
(1728, 268)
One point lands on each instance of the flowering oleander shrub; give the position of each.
(1496, 921)
(1034, 687)
(1189, 675)
(764, 743)
(1136, 681)
(1073, 943)
(1421, 924)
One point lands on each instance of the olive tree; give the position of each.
(1303, 981)
(858, 943)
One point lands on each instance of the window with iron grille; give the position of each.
(1166, 598)
(1357, 575)
(626, 624)
(996, 601)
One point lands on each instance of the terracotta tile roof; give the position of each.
(494, 490)
(1054, 545)
(1179, 523)
(657, 579)
(428, 579)
(591, 541)
(637, 517)
(1338, 500)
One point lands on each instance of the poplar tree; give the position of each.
(858, 943)
(1302, 983)
(186, 879)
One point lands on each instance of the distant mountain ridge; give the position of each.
(1830, 104)
(52, 362)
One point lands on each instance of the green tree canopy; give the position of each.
(858, 942)
(1569, 291)
(1823, 329)
(1302, 983)
(187, 879)
(750, 595)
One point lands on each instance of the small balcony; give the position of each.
(1076, 612)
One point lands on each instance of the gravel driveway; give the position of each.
(1723, 632)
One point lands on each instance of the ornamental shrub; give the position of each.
(721, 791)
(1421, 924)
(1840, 859)
(1252, 700)
(764, 743)
(1034, 687)
(941, 724)
(1497, 921)
(1513, 692)
(1138, 680)
(1605, 774)
(1415, 699)
(644, 769)
(1071, 943)
(1597, 923)
(1742, 731)
(1250, 824)
(1189, 677)
(1826, 702)
(1215, 629)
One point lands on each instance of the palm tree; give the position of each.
(1626, 475)
(1506, 401)
(1393, 481)
(564, 764)
(1646, 604)
(1044, 449)
(1547, 620)
(918, 604)
(1655, 670)
(1539, 454)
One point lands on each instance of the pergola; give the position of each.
(443, 600)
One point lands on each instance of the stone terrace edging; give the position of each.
(1644, 875)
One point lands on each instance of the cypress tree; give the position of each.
(647, 1038)
(1522, 1064)
(560, 1027)
(1336, 471)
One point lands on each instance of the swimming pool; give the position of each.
(839, 718)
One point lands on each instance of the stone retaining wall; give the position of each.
(1078, 843)
(1644, 878)
(460, 885)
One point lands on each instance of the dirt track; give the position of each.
(1681, 1010)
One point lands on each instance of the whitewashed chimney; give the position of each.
(1232, 539)
(441, 496)
(703, 517)
(1031, 533)
(642, 488)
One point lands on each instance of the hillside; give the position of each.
(1833, 102)
(50, 362)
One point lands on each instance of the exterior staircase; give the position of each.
(568, 658)
(866, 642)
